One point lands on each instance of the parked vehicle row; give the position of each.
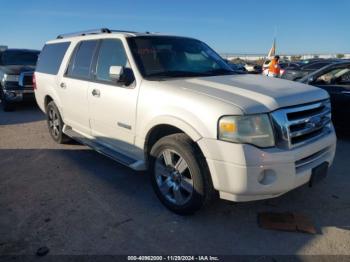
(172, 106)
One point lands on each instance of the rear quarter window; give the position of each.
(51, 57)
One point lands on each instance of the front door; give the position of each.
(112, 105)
(74, 84)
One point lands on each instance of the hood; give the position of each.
(252, 94)
(16, 69)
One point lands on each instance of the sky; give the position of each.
(243, 26)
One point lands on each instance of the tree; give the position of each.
(340, 56)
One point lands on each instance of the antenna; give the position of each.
(275, 37)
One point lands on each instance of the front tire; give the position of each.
(55, 124)
(179, 174)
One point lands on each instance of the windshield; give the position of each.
(19, 58)
(161, 56)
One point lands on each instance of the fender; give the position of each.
(167, 120)
(52, 92)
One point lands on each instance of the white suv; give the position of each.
(171, 105)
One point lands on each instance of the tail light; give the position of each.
(34, 81)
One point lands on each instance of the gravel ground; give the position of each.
(76, 201)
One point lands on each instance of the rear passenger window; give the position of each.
(111, 54)
(50, 58)
(80, 63)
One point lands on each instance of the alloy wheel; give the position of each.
(54, 123)
(173, 177)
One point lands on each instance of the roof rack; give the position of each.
(92, 32)
(87, 32)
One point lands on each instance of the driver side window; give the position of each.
(111, 53)
(337, 76)
(345, 78)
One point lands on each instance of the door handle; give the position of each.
(96, 93)
(63, 85)
(346, 92)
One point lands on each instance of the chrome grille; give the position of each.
(295, 126)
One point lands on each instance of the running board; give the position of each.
(137, 165)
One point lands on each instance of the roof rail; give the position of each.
(123, 31)
(87, 32)
(93, 32)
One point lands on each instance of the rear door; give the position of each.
(337, 83)
(112, 105)
(74, 86)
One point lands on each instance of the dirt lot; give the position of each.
(76, 201)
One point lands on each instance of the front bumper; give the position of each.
(243, 172)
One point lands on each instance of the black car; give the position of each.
(16, 69)
(299, 70)
(335, 79)
(289, 65)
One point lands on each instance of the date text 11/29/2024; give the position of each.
(173, 258)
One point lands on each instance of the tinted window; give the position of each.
(293, 66)
(283, 65)
(18, 57)
(315, 66)
(80, 63)
(51, 57)
(336, 76)
(111, 54)
(176, 57)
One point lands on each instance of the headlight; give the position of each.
(253, 129)
(10, 78)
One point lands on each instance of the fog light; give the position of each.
(267, 177)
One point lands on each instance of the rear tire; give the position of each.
(179, 174)
(6, 106)
(55, 124)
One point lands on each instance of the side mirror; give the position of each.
(310, 79)
(115, 72)
(122, 75)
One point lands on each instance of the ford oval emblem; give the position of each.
(315, 121)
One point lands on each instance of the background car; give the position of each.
(335, 79)
(253, 68)
(14, 63)
(266, 64)
(289, 65)
(295, 73)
